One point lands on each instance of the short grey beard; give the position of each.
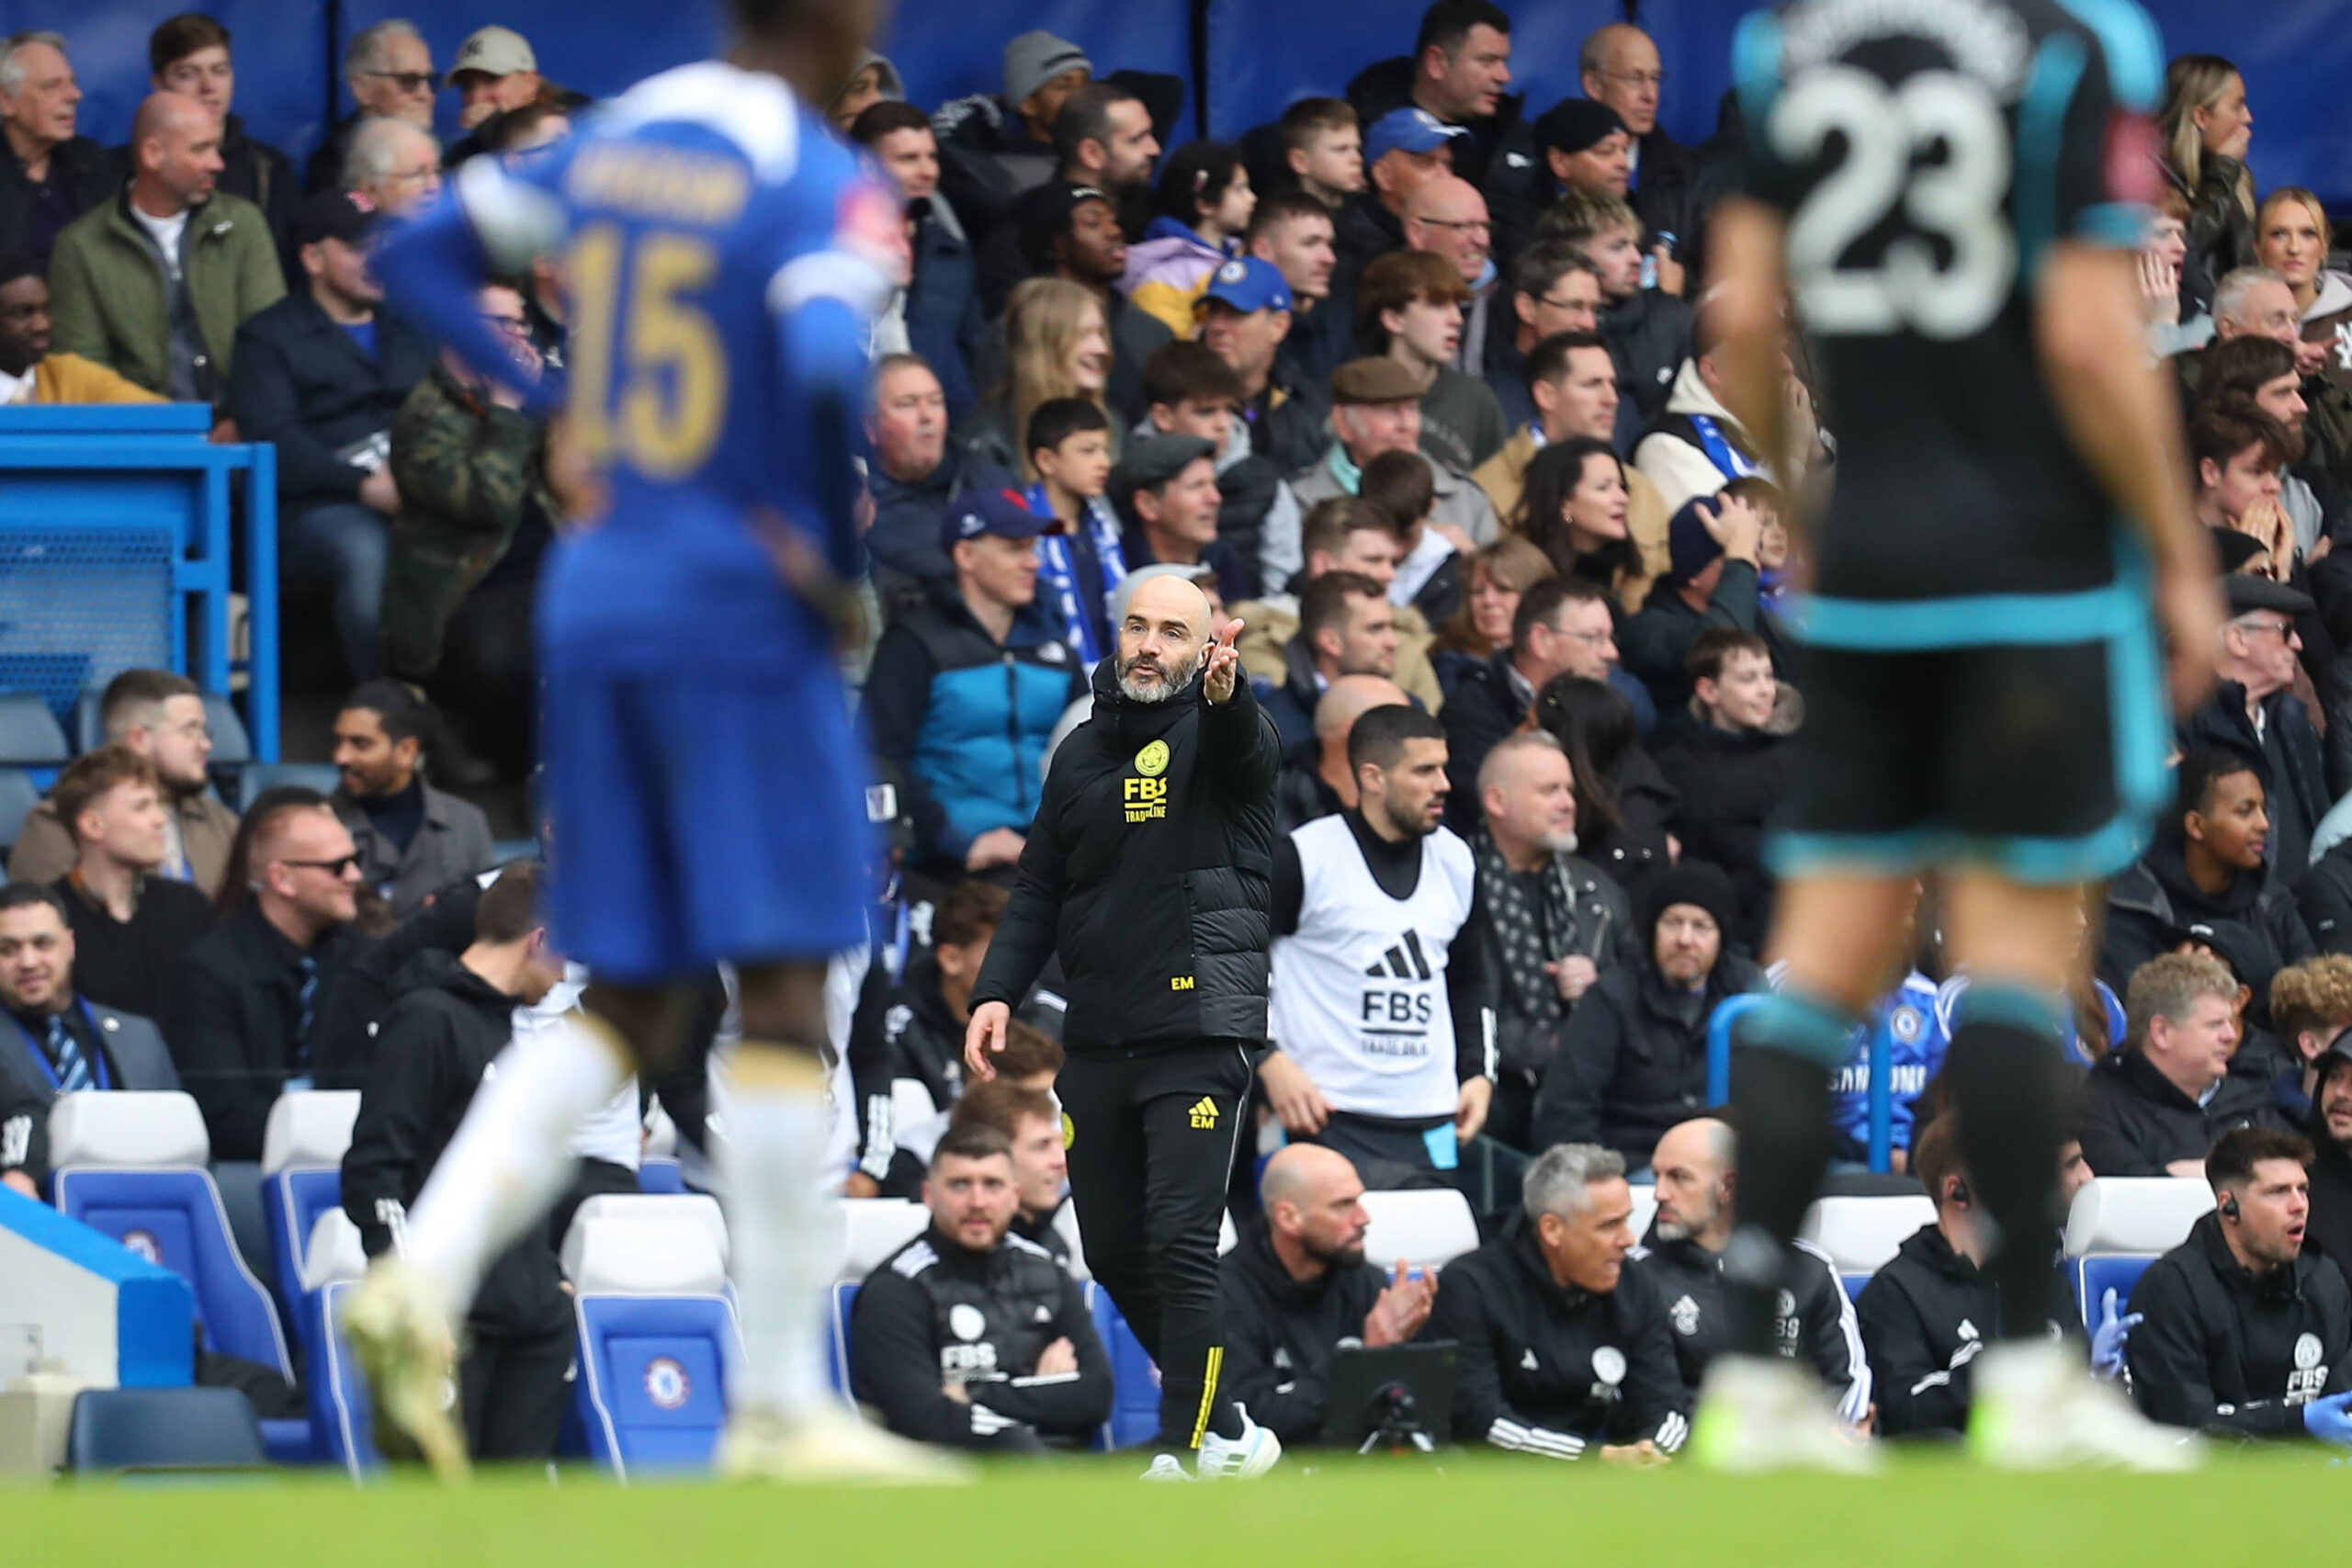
(1177, 682)
(1674, 1230)
(1561, 843)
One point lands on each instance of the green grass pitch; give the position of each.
(1455, 1511)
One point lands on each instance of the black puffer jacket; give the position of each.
(1147, 870)
(2135, 1121)
(1386, 85)
(2295, 771)
(1632, 1060)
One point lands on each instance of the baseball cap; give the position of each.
(1407, 130)
(495, 51)
(1248, 285)
(1150, 464)
(333, 215)
(1377, 379)
(1574, 124)
(998, 512)
(1037, 58)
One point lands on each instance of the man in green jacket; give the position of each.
(154, 283)
(475, 515)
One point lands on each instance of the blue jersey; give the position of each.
(2080, 1055)
(1915, 1041)
(723, 257)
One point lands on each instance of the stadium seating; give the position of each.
(1427, 1229)
(1644, 1210)
(2147, 1214)
(842, 1301)
(335, 1392)
(658, 1208)
(1134, 1382)
(19, 795)
(656, 1338)
(302, 1178)
(29, 735)
(2094, 1276)
(260, 776)
(1861, 1234)
(878, 1227)
(132, 1165)
(119, 1429)
(661, 1176)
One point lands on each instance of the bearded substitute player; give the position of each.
(1950, 191)
(724, 257)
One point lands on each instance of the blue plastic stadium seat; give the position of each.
(301, 1178)
(663, 1175)
(2093, 1277)
(296, 1199)
(1134, 1385)
(252, 780)
(1853, 1283)
(340, 1414)
(844, 1301)
(167, 1211)
(29, 734)
(89, 722)
(19, 795)
(232, 747)
(162, 1429)
(657, 1334)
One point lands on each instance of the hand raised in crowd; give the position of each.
(1297, 1103)
(1402, 1307)
(1059, 1360)
(2311, 358)
(1224, 664)
(2267, 522)
(1734, 524)
(1672, 275)
(984, 1037)
(1575, 974)
(2159, 289)
(998, 846)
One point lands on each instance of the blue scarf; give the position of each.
(1058, 565)
(1720, 451)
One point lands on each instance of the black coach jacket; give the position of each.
(1279, 1333)
(1547, 1369)
(1148, 870)
(1926, 1316)
(433, 1049)
(2223, 1350)
(1818, 1325)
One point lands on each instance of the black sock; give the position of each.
(2006, 1090)
(1782, 1100)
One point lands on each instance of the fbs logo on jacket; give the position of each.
(1147, 798)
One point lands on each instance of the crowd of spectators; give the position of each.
(1420, 383)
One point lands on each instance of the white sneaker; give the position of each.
(2037, 1408)
(1166, 1467)
(830, 1446)
(1238, 1459)
(1760, 1413)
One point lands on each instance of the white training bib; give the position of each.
(1359, 997)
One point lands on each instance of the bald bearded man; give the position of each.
(1315, 779)
(1297, 1287)
(1147, 870)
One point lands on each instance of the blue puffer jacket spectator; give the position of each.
(964, 711)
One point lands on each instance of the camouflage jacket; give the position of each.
(465, 468)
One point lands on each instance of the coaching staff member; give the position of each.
(1149, 870)
(2243, 1332)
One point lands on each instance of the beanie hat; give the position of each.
(1690, 548)
(1693, 881)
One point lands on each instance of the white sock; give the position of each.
(785, 1239)
(510, 1160)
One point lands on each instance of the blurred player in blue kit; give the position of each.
(724, 257)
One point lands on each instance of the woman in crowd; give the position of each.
(2292, 238)
(1204, 205)
(1622, 801)
(1056, 346)
(2204, 128)
(1481, 628)
(1574, 510)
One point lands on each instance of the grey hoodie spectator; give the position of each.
(993, 149)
